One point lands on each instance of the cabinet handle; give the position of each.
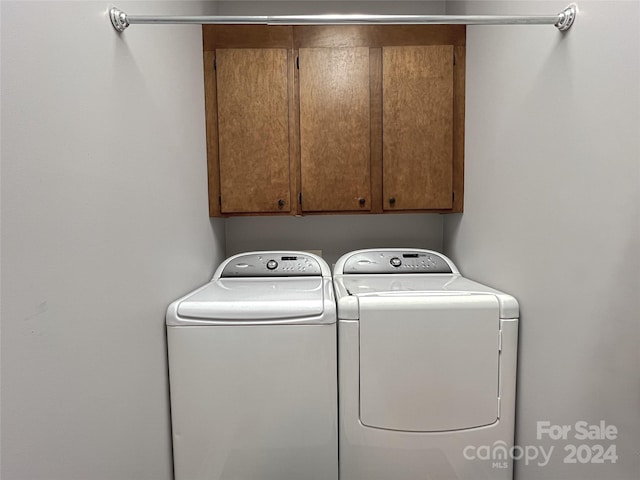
(362, 201)
(392, 200)
(281, 203)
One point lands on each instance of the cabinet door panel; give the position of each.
(335, 129)
(253, 125)
(417, 127)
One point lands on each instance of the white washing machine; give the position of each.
(253, 372)
(427, 369)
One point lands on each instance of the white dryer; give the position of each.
(427, 369)
(253, 372)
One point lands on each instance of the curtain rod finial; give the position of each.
(118, 19)
(567, 17)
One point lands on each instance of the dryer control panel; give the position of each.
(272, 264)
(396, 261)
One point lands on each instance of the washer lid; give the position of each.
(255, 299)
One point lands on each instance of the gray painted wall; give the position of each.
(313, 7)
(552, 212)
(333, 234)
(104, 222)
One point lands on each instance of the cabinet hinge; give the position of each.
(220, 199)
(298, 63)
(453, 197)
(300, 198)
(499, 340)
(499, 406)
(454, 58)
(215, 64)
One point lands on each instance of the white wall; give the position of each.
(104, 222)
(552, 212)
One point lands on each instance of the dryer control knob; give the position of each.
(272, 264)
(395, 262)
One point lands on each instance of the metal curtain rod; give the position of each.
(562, 20)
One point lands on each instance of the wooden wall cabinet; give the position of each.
(334, 119)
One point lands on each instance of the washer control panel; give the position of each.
(396, 261)
(272, 265)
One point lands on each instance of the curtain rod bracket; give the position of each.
(118, 19)
(567, 17)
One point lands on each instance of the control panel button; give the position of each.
(395, 262)
(272, 264)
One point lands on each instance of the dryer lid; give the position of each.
(255, 299)
(400, 284)
(429, 364)
(395, 286)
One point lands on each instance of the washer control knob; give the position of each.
(272, 264)
(395, 262)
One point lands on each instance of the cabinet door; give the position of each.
(253, 130)
(335, 129)
(417, 127)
